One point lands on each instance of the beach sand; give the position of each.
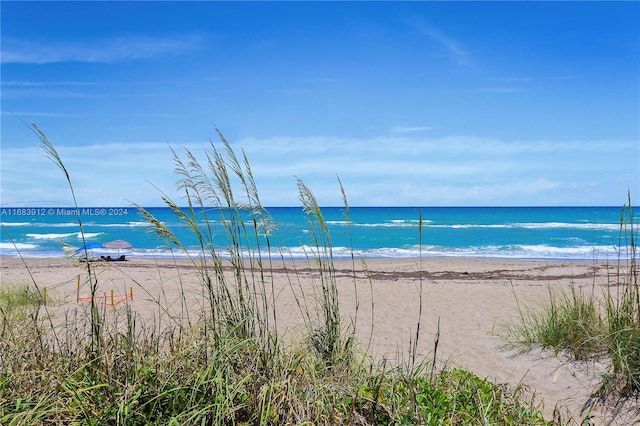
(470, 299)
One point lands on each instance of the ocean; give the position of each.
(554, 233)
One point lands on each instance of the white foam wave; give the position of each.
(599, 226)
(523, 225)
(40, 224)
(542, 225)
(541, 251)
(55, 236)
(410, 221)
(123, 225)
(388, 224)
(18, 246)
(506, 252)
(468, 226)
(50, 236)
(88, 235)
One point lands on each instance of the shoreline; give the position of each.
(469, 298)
(357, 257)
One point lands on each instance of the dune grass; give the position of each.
(18, 296)
(622, 313)
(569, 321)
(589, 326)
(229, 364)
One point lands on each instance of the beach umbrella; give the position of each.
(118, 245)
(90, 246)
(70, 250)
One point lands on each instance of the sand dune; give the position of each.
(469, 298)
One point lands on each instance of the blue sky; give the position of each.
(408, 103)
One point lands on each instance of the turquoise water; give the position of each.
(573, 233)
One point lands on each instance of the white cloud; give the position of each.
(498, 90)
(378, 171)
(112, 50)
(411, 129)
(101, 175)
(446, 41)
(37, 114)
(451, 46)
(26, 83)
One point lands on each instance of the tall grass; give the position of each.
(229, 365)
(327, 335)
(622, 307)
(586, 326)
(569, 322)
(233, 299)
(94, 348)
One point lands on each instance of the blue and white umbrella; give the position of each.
(86, 249)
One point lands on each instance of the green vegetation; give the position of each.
(18, 297)
(568, 322)
(229, 365)
(587, 326)
(16, 301)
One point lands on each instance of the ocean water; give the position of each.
(568, 233)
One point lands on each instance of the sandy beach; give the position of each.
(470, 299)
